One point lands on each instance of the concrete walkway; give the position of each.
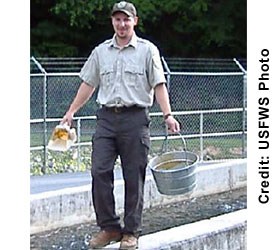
(46, 183)
(224, 232)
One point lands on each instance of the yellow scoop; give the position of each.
(62, 138)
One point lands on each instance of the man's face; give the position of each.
(123, 25)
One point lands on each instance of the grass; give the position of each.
(228, 147)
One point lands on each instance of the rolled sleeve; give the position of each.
(156, 73)
(90, 71)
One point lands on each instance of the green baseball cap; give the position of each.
(125, 7)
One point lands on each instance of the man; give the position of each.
(128, 72)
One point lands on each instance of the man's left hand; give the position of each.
(172, 124)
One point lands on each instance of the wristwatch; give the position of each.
(167, 115)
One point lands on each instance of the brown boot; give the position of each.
(104, 238)
(129, 242)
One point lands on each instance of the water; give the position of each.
(154, 219)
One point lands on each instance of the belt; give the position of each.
(123, 109)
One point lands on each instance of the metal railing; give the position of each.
(201, 116)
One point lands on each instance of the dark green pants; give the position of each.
(123, 132)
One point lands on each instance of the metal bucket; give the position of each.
(174, 172)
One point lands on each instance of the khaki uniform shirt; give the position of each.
(127, 76)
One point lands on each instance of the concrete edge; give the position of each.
(71, 206)
(65, 191)
(229, 231)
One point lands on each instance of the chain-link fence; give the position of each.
(208, 98)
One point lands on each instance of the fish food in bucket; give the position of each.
(174, 172)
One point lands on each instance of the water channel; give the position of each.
(154, 219)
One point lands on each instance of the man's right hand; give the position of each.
(67, 118)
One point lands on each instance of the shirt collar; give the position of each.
(132, 42)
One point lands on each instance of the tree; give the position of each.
(182, 28)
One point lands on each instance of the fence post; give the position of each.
(244, 104)
(45, 158)
(244, 114)
(168, 73)
(201, 136)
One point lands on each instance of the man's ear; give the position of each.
(135, 20)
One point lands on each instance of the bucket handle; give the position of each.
(165, 142)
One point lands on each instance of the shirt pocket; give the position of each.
(133, 75)
(107, 75)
